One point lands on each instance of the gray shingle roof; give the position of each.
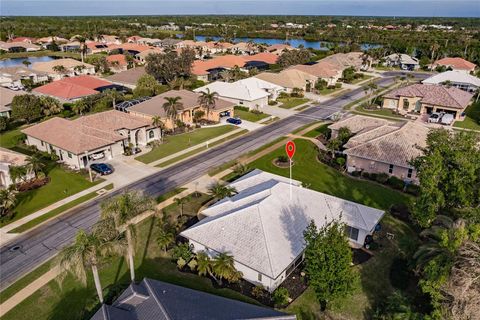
(157, 300)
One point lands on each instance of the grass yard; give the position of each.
(472, 113)
(10, 139)
(250, 116)
(176, 143)
(322, 129)
(379, 112)
(320, 177)
(365, 77)
(289, 103)
(75, 302)
(62, 185)
(326, 91)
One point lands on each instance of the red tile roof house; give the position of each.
(75, 141)
(117, 62)
(456, 64)
(74, 88)
(425, 99)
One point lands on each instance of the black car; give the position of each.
(234, 120)
(101, 168)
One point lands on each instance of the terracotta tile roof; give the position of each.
(456, 63)
(434, 94)
(290, 78)
(358, 123)
(322, 69)
(86, 81)
(266, 57)
(129, 47)
(85, 133)
(120, 58)
(73, 88)
(201, 67)
(22, 39)
(398, 147)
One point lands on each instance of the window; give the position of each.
(390, 169)
(352, 233)
(43, 143)
(259, 277)
(410, 172)
(151, 134)
(69, 155)
(406, 104)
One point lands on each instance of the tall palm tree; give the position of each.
(113, 95)
(171, 107)
(17, 173)
(86, 252)
(220, 191)
(8, 198)
(80, 106)
(204, 264)
(35, 164)
(59, 69)
(158, 123)
(165, 238)
(50, 105)
(83, 47)
(208, 100)
(119, 211)
(180, 202)
(223, 266)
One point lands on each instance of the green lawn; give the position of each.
(289, 103)
(250, 116)
(177, 143)
(76, 302)
(322, 129)
(32, 223)
(62, 185)
(321, 177)
(326, 91)
(10, 139)
(365, 77)
(380, 112)
(472, 113)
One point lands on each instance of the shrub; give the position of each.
(3, 123)
(258, 292)
(256, 111)
(365, 175)
(284, 95)
(400, 211)
(280, 296)
(338, 85)
(356, 173)
(340, 161)
(282, 159)
(272, 102)
(181, 263)
(413, 189)
(396, 183)
(192, 264)
(242, 108)
(183, 251)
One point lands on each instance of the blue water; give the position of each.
(319, 45)
(408, 8)
(13, 62)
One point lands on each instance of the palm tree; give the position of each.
(171, 107)
(158, 123)
(114, 95)
(208, 100)
(80, 106)
(220, 191)
(50, 105)
(59, 69)
(8, 198)
(17, 173)
(165, 238)
(226, 75)
(180, 202)
(26, 63)
(241, 169)
(119, 211)
(223, 266)
(84, 253)
(204, 264)
(35, 163)
(83, 47)
(79, 68)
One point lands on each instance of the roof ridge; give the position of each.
(264, 237)
(154, 296)
(378, 138)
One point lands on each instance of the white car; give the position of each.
(447, 119)
(97, 156)
(435, 117)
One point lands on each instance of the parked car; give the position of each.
(15, 87)
(435, 117)
(136, 150)
(447, 119)
(236, 121)
(101, 168)
(97, 156)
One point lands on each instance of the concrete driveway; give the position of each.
(250, 126)
(127, 169)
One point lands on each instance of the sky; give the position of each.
(423, 8)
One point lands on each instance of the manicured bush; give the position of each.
(183, 251)
(272, 102)
(282, 159)
(242, 108)
(3, 123)
(396, 183)
(280, 296)
(256, 111)
(413, 189)
(381, 177)
(365, 175)
(338, 85)
(340, 161)
(356, 173)
(258, 291)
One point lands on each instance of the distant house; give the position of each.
(154, 107)
(104, 134)
(96, 47)
(346, 60)
(13, 76)
(383, 147)
(117, 62)
(290, 79)
(72, 46)
(10, 158)
(128, 78)
(244, 48)
(322, 70)
(152, 299)
(425, 99)
(455, 64)
(22, 46)
(74, 88)
(71, 67)
(278, 49)
(240, 93)
(131, 48)
(209, 70)
(262, 227)
(142, 56)
(6, 98)
(455, 78)
(23, 39)
(404, 61)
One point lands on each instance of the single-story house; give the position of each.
(260, 61)
(278, 49)
(10, 158)
(244, 48)
(290, 79)
(23, 39)
(142, 56)
(154, 107)
(343, 61)
(131, 48)
(153, 299)
(425, 99)
(455, 78)
(402, 60)
(96, 47)
(110, 39)
(105, 133)
(323, 70)
(272, 89)
(14, 76)
(45, 41)
(18, 46)
(72, 68)
(74, 88)
(262, 226)
(456, 64)
(209, 70)
(358, 123)
(6, 98)
(387, 148)
(243, 94)
(117, 62)
(128, 78)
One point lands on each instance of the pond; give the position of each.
(318, 45)
(14, 62)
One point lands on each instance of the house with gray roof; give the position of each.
(152, 299)
(262, 225)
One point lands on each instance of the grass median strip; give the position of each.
(170, 194)
(198, 150)
(32, 223)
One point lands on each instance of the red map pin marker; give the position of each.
(290, 149)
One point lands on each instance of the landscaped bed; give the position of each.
(177, 143)
(289, 103)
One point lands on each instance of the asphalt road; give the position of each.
(42, 243)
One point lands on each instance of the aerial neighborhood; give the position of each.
(229, 167)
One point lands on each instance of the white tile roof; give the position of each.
(455, 76)
(235, 90)
(263, 229)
